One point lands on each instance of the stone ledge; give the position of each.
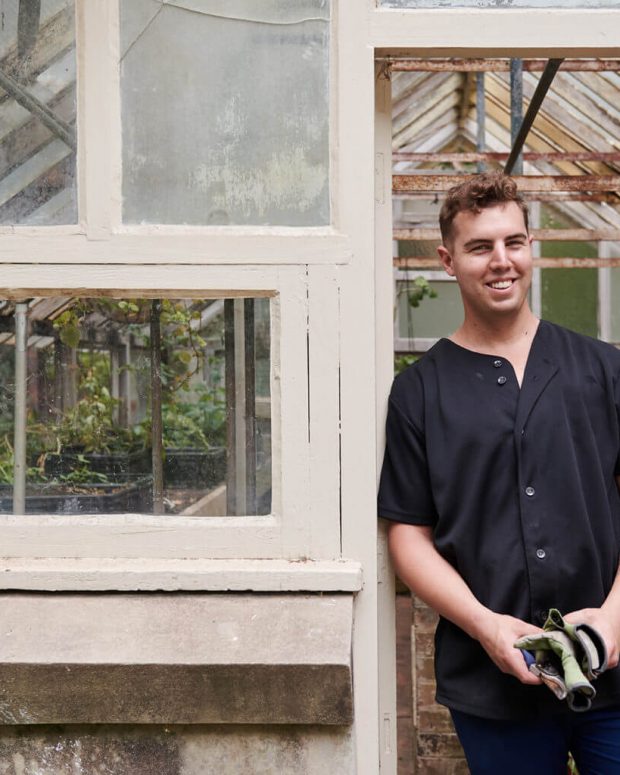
(172, 575)
(175, 658)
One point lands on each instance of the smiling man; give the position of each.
(499, 481)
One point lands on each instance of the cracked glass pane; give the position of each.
(152, 406)
(225, 111)
(37, 112)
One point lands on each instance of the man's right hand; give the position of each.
(497, 634)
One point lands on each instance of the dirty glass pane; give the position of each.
(430, 315)
(97, 437)
(37, 112)
(225, 111)
(498, 3)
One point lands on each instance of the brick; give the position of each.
(425, 644)
(426, 693)
(439, 744)
(424, 619)
(441, 767)
(434, 719)
(425, 668)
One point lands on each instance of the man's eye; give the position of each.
(516, 244)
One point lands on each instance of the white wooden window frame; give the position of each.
(296, 267)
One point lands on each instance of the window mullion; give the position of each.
(98, 117)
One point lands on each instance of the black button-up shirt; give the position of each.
(519, 487)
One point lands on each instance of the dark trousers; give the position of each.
(541, 746)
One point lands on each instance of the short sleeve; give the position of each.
(404, 490)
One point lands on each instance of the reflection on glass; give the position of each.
(136, 405)
(37, 112)
(225, 112)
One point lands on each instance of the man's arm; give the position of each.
(605, 619)
(420, 566)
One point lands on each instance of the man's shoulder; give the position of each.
(564, 339)
(423, 367)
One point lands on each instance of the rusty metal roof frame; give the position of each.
(587, 187)
(493, 65)
(546, 79)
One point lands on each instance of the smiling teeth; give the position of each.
(501, 284)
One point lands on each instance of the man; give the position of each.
(499, 481)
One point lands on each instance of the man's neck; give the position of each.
(498, 334)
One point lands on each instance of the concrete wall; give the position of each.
(175, 684)
(175, 750)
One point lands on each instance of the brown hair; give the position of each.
(475, 194)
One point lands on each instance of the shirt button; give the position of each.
(541, 554)
(529, 491)
(542, 616)
(501, 380)
(497, 363)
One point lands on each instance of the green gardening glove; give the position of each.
(556, 664)
(590, 649)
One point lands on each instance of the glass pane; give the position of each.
(136, 405)
(432, 317)
(37, 113)
(498, 3)
(230, 126)
(570, 297)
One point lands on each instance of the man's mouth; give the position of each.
(500, 285)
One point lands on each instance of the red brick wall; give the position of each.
(427, 744)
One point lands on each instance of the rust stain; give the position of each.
(546, 183)
(415, 65)
(544, 263)
(545, 235)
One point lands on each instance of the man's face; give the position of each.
(490, 256)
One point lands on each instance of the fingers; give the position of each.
(498, 640)
(521, 671)
(598, 619)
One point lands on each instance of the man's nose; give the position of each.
(499, 255)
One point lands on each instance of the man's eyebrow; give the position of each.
(487, 241)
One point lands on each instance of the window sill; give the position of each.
(171, 575)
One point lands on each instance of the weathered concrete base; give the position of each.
(175, 659)
(176, 750)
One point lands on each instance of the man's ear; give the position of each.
(446, 260)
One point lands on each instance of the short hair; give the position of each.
(477, 193)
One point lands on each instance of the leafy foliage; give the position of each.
(421, 289)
